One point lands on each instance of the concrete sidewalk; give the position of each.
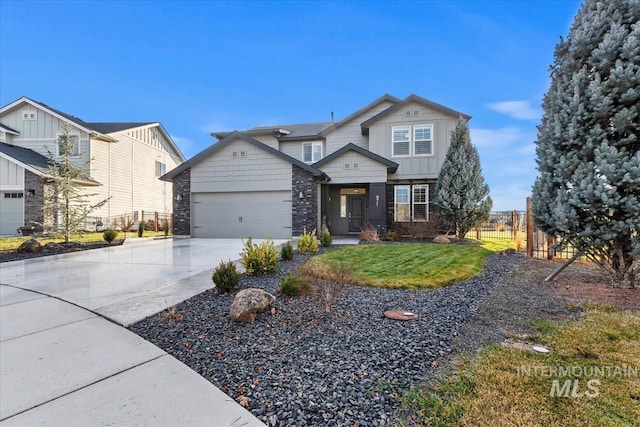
(63, 365)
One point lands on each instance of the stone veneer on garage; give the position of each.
(304, 210)
(33, 215)
(182, 207)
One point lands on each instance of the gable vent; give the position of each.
(29, 115)
(407, 113)
(416, 112)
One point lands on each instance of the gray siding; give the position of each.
(367, 170)
(294, 148)
(351, 132)
(269, 140)
(258, 171)
(418, 167)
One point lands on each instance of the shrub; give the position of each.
(327, 280)
(126, 222)
(325, 236)
(110, 235)
(308, 242)
(286, 252)
(225, 276)
(518, 243)
(390, 235)
(140, 229)
(501, 225)
(165, 227)
(369, 233)
(259, 259)
(292, 286)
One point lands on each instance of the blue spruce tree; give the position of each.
(462, 195)
(588, 147)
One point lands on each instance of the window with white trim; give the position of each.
(411, 203)
(401, 204)
(401, 136)
(161, 169)
(423, 140)
(74, 140)
(414, 140)
(311, 152)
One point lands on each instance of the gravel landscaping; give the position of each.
(302, 366)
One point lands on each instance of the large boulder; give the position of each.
(443, 240)
(248, 303)
(31, 246)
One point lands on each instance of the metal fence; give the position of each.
(502, 225)
(153, 221)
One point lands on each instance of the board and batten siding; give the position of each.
(368, 170)
(258, 171)
(414, 167)
(351, 132)
(41, 135)
(11, 176)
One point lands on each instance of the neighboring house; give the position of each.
(126, 161)
(375, 167)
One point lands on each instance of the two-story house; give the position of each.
(375, 167)
(126, 160)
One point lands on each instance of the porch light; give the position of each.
(301, 195)
(179, 197)
(31, 192)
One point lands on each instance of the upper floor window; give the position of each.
(311, 152)
(412, 140)
(68, 143)
(423, 140)
(161, 169)
(401, 141)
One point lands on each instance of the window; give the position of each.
(402, 203)
(161, 169)
(423, 140)
(311, 152)
(401, 140)
(420, 200)
(407, 143)
(343, 206)
(411, 203)
(71, 144)
(13, 195)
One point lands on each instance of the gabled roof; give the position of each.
(109, 127)
(79, 123)
(384, 98)
(295, 132)
(8, 129)
(244, 137)
(28, 159)
(391, 166)
(34, 162)
(411, 98)
(116, 127)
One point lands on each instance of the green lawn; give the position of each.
(511, 387)
(12, 243)
(411, 265)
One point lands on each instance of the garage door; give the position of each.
(10, 212)
(252, 214)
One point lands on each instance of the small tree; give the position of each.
(588, 146)
(68, 205)
(461, 192)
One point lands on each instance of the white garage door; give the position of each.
(10, 212)
(252, 214)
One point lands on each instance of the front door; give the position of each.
(356, 213)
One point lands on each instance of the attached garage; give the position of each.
(11, 212)
(264, 214)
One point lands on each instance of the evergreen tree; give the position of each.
(588, 146)
(461, 192)
(68, 206)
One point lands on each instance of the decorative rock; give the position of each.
(30, 246)
(248, 303)
(442, 240)
(52, 247)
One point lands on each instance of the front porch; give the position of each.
(347, 208)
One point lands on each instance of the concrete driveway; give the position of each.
(62, 363)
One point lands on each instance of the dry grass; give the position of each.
(493, 389)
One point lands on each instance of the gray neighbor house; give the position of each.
(376, 167)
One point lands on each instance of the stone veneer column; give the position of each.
(304, 211)
(33, 215)
(182, 207)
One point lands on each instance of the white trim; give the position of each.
(57, 143)
(395, 202)
(413, 144)
(313, 144)
(426, 203)
(48, 111)
(393, 142)
(11, 188)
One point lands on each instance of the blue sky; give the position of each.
(205, 66)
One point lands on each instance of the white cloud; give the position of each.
(496, 138)
(521, 110)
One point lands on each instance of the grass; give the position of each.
(412, 266)
(12, 243)
(499, 388)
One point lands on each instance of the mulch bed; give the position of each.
(62, 248)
